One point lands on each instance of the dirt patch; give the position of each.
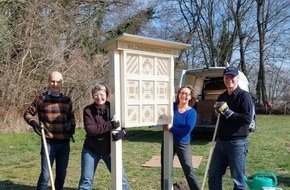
(155, 162)
(180, 186)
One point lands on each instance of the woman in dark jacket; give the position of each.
(97, 145)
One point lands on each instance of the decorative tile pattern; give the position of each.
(147, 113)
(132, 64)
(147, 89)
(147, 65)
(163, 67)
(133, 90)
(132, 116)
(162, 90)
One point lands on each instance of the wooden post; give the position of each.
(116, 146)
(168, 160)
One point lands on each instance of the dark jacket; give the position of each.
(237, 125)
(98, 129)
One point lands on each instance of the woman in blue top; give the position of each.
(184, 120)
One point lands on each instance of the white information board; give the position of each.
(146, 78)
(142, 78)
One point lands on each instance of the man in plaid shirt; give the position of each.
(56, 117)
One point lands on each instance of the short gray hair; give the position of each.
(100, 86)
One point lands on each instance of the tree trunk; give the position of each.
(262, 25)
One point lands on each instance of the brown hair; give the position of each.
(194, 97)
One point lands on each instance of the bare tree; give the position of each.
(37, 37)
(240, 11)
(270, 15)
(214, 28)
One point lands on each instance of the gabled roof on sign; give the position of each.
(144, 40)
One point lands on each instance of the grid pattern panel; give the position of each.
(147, 90)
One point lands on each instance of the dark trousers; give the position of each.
(184, 154)
(58, 152)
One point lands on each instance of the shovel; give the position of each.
(47, 158)
(211, 151)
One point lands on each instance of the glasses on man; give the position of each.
(99, 95)
(184, 94)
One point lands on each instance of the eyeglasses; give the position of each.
(99, 95)
(184, 94)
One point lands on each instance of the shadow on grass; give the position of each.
(9, 185)
(283, 181)
(155, 135)
(144, 135)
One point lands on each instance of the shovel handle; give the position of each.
(47, 158)
(210, 151)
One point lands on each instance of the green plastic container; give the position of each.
(260, 180)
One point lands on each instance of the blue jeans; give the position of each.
(232, 154)
(89, 165)
(58, 152)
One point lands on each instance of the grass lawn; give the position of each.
(269, 150)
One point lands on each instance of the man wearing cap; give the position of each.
(235, 106)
